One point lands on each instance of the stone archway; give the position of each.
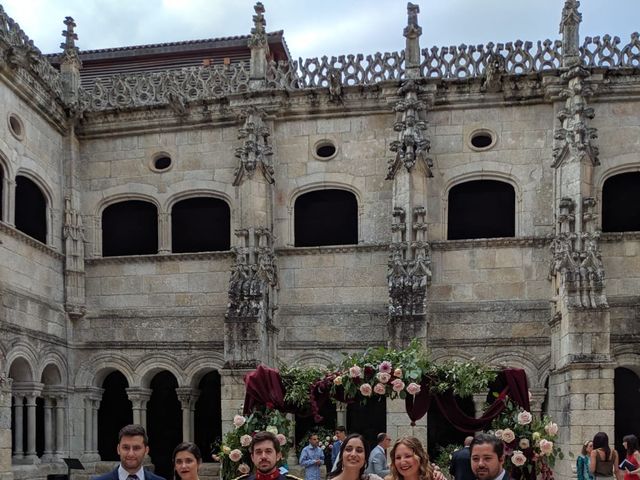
(114, 413)
(164, 421)
(627, 398)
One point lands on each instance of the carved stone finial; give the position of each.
(258, 32)
(259, 49)
(69, 35)
(570, 30)
(412, 33)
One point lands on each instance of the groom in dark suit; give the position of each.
(133, 445)
(487, 457)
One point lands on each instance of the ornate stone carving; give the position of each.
(249, 326)
(74, 273)
(577, 265)
(69, 49)
(494, 72)
(412, 33)
(412, 146)
(255, 152)
(569, 28)
(574, 138)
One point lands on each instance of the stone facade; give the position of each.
(563, 118)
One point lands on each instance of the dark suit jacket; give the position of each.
(113, 475)
(460, 466)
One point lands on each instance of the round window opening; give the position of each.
(482, 140)
(163, 162)
(15, 125)
(325, 150)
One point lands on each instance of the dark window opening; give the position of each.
(114, 413)
(325, 150)
(208, 415)
(305, 424)
(162, 163)
(326, 217)
(31, 209)
(129, 228)
(164, 421)
(200, 225)
(441, 432)
(481, 140)
(481, 209)
(40, 427)
(621, 203)
(16, 126)
(368, 420)
(626, 388)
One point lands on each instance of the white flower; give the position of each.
(498, 433)
(524, 443)
(235, 455)
(272, 429)
(518, 458)
(239, 420)
(551, 428)
(243, 468)
(355, 371)
(524, 418)
(245, 440)
(508, 436)
(546, 447)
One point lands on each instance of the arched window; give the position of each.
(114, 413)
(200, 225)
(31, 209)
(326, 217)
(621, 203)
(481, 209)
(1, 192)
(129, 228)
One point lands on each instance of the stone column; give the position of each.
(399, 424)
(31, 456)
(537, 399)
(18, 434)
(412, 33)
(341, 414)
(60, 426)
(188, 397)
(139, 397)
(47, 456)
(164, 232)
(92, 397)
(8, 207)
(479, 403)
(95, 406)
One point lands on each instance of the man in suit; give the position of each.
(133, 445)
(460, 466)
(265, 455)
(378, 456)
(341, 434)
(487, 457)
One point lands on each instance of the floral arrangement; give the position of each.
(383, 372)
(234, 453)
(529, 443)
(324, 435)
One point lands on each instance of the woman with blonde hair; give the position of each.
(410, 461)
(583, 460)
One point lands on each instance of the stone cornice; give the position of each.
(15, 233)
(142, 345)
(537, 242)
(159, 257)
(489, 342)
(619, 236)
(316, 345)
(293, 251)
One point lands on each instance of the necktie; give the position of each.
(132, 477)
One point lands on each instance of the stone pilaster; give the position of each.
(537, 399)
(5, 428)
(581, 380)
(249, 328)
(74, 273)
(70, 64)
(232, 394)
(188, 397)
(399, 424)
(409, 268)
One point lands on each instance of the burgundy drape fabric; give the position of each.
(264, 388)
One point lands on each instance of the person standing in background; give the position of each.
(583, 460)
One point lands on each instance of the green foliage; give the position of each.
(239, 437)
(297, 381)
(443, 459)
(463, 378)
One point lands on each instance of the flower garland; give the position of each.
(529, 443)
(234, 454)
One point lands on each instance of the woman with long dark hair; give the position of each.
(352, 460)
(603, 461)
(186, 461)
(630, 443)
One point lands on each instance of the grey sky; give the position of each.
(314, 28)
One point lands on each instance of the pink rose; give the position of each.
(524, 443)
(239, 420)
(518, 458)
(397, 385)
(365, 389)
(498, 433)
(379, 389)
(384, 377)
(551, 428)
(355, 371)
(337, 381)
(385, 367)
(397, 372)
(282, 440)
(413, 388)
(524, 418)
(245, 440)
(508, 436)
(546, 446)
(235, 455)
(243, 468)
